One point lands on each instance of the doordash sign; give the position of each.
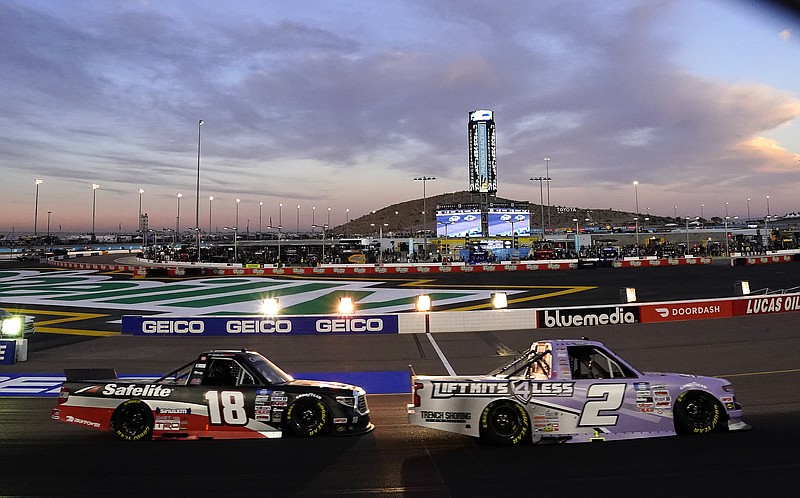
(696, 310)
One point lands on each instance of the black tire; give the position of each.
(505, 423)
(696, 412)
(132, 421)
(307, 417)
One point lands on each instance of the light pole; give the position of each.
(48, 226)
(298, 218)
(636, 223)
(727, 247)
(547, 174)
(424, 180)
(36, 208)
(766, 227)
(541, 180)
(178, 218)
(313, 213)
(687, 236)
(141, 228)
(94, 205)
(235, 247)
(260, 208)
(703, 205)
(236, 226)
(380, 239)
(280, 226)
(675, 207)
(197, 191)
(210, 198)
(447, 237)
(636, 193)
(577, 236)
(748, 210)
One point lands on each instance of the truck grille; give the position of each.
(361, 405)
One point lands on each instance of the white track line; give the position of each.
(441, 355)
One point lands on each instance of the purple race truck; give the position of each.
(572, 391)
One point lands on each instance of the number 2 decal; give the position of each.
(226, 408)
(602, 397)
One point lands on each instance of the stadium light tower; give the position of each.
(94, 205)
(178, 217)
(547, 174)
(36, 208)
(541, 180)
(197, 191)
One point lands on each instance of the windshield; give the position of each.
(268, 370)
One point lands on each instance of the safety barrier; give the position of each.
(762, 260)
(178, 271)
(462, 321)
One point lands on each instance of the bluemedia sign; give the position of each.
(259, 325)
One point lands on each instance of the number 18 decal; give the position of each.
(226, 408)
(602, 397)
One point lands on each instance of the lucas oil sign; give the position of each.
(259, 325)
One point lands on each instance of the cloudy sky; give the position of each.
(339, 104)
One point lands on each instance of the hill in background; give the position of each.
(405, 218)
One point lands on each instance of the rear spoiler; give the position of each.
(79, 374)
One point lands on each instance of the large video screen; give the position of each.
(458, 223)
(507, 221)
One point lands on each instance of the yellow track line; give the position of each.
(769, 372)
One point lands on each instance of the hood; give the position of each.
(321, 384)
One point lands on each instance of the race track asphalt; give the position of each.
(758, 354)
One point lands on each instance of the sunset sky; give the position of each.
(340, 104)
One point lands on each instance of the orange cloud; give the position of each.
(771, 156)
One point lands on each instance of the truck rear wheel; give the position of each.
(132, 421)
(505, 423)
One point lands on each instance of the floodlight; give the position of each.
(424, 302)
(741, 287)
(499, 300)
(346, 305)
(628, 295)
(270, 306)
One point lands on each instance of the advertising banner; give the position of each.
(761, 305)
(698, 310)
(458, 223)
(8, 351)
(586, 317)
(501, 222)
(259, 325)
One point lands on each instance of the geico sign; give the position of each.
(585, 319)
(258, 326)
(350, 325)
(173, 326)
